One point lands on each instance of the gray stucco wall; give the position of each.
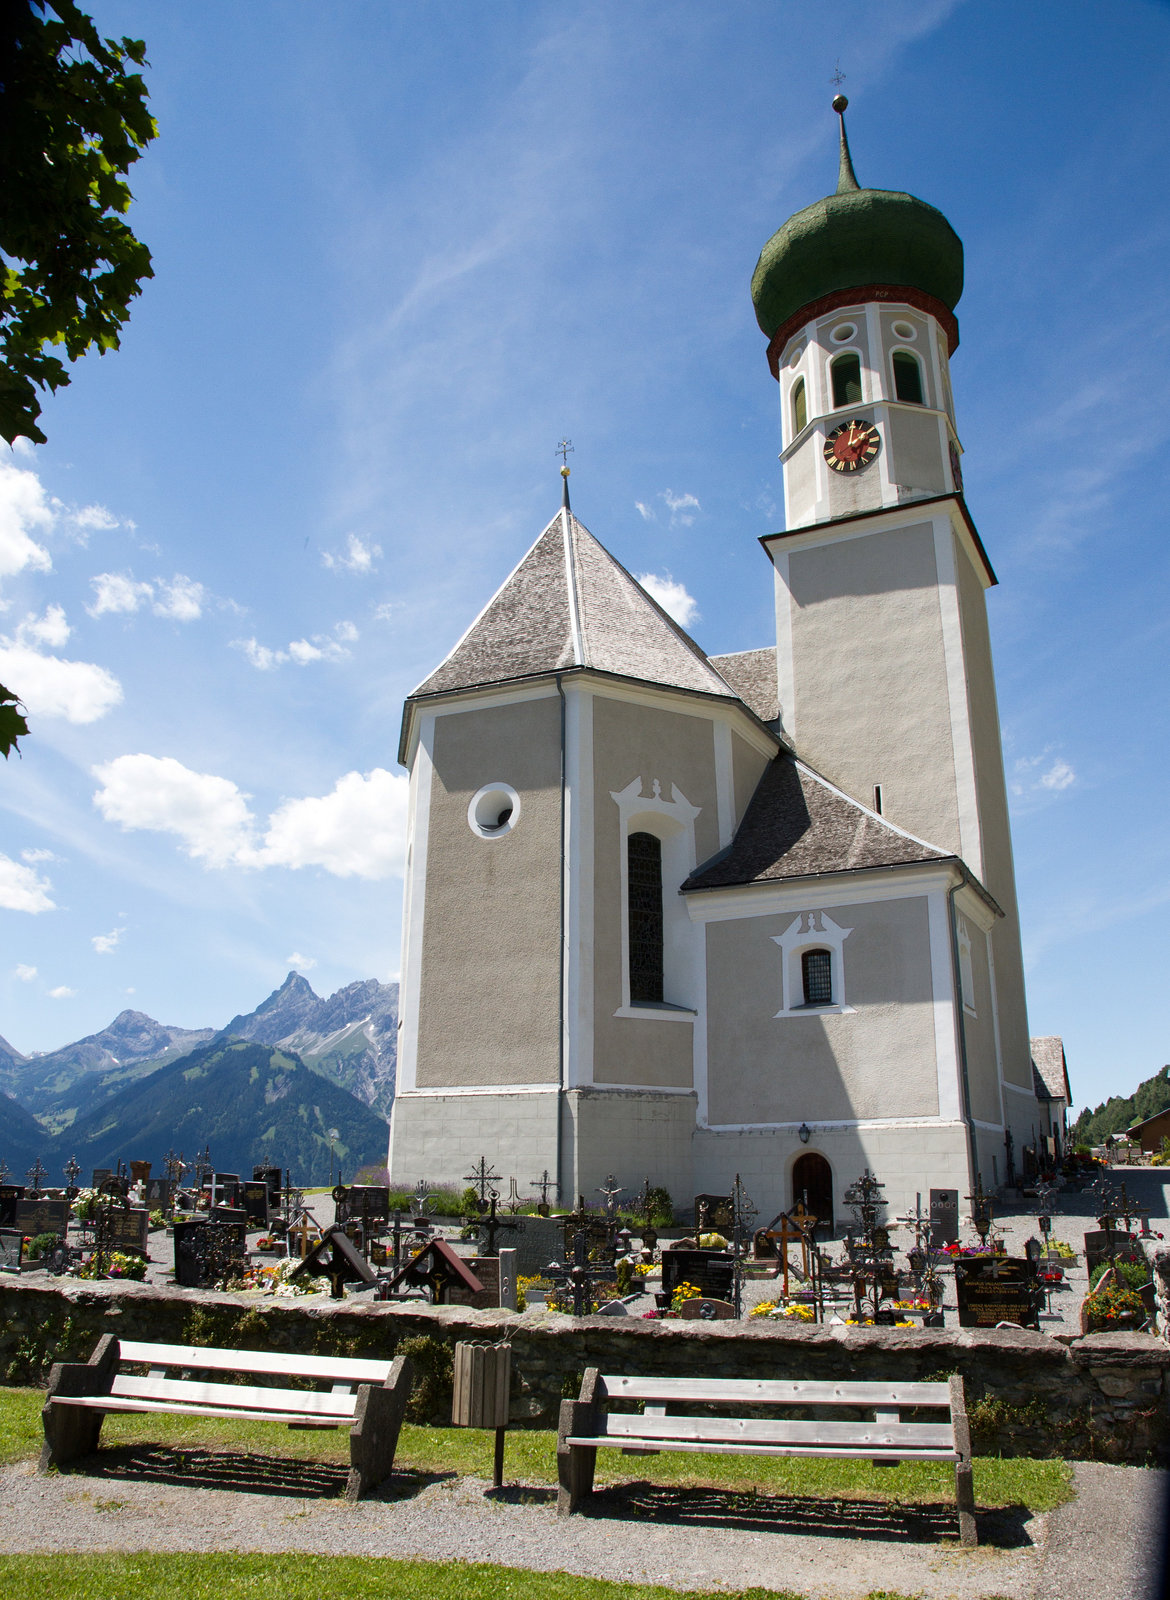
(747, 768)
(877, 1061)
(872, 703)
(491, 974)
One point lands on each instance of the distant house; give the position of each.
(1150, 1133)
(1053, 1094)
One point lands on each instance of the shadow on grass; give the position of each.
(1006, 1528)
(246, 1473)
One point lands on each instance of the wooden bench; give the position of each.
(367, 1397)
(671, 1420)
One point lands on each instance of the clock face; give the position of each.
(852, 446)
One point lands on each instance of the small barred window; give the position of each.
(644, 888)
(817, 970)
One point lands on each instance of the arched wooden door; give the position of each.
(812, 1182)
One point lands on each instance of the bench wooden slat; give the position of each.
(738, 1391)
(867, 1452)
(274, 1401)
(113, 1404)
(781, 1430)
(343, 1369)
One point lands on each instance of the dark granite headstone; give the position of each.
(127, 1229)
(233, 1214)
(711, 1271)
(1099, 1246)
(997, 1289)
(206, 1251)
(156, 1193)
(944, 1216)
(99, 1174)
(713, 1213)
(274, 1178)
(41, 1216)
(225, 1188)
(362, 1200)
(11, 1249)
(10, 1193)
(255, 1197)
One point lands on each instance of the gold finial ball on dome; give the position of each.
(565, 471)
(840, 103)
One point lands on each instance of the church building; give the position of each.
(680, 916)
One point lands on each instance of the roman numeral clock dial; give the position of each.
(852, 446)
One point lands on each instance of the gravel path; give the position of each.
(1096, 1548)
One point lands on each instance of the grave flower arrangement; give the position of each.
(1112, 1304)
(712, 1241)
(118, 1264)
(778, 1311)
(85, 1205)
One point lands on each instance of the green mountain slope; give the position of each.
(1116, 1114)
(250, 1103)
(22, 1140)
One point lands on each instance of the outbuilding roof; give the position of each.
(797, 824)
(1049, 1069)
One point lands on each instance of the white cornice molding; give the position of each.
(858, 886)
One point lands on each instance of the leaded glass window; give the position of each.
(644, 888)
(817, 970)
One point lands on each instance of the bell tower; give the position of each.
(884, 668)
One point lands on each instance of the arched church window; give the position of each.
(907, 378)
(799, 406)
(846, 374)
(644, 887)
(816, 968)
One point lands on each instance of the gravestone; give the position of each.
(42, 1216)
(540, 1243)
(713, 1213)
(127, 1229)
(944, 1217)
(255, 1197)
(206, 1251)
(233, 1214)
(156, 1194)
(1099, 1245)
(362, 1200)
(11, 1249)
(273, 1177)
(99, 1176)
(10, 1193)
(997, 1289)
(225, 1189)
(711, 1271)
(706, 1310)
(487, 1270)
(508, 1279)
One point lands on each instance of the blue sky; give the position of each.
(400, 250)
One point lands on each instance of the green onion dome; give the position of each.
(854, 239)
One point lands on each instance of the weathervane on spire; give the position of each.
(565, 450)
(838, 77)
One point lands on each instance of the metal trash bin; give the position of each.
(482, 1394)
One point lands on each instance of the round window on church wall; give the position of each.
(904, 330)
(494, 810)
(842, 332)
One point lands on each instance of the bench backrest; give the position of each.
(334, 1369)
(776, 1392)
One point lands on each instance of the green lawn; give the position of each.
(232, 1577)
(530, 1458)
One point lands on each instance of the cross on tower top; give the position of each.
(838, 77)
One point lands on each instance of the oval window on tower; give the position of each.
(904, 330)
(843, 332)
(494, 810)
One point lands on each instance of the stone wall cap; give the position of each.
(1120, 1350)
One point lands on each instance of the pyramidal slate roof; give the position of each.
(752, 674)
(567, 605)
(797, 825)
(1049, 1071)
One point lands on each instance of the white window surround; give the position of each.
(811, 930)
(486, 804)
(673, 822)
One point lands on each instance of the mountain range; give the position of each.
(320, 1064)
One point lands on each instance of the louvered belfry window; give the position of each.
(817, 970)
(644, 860)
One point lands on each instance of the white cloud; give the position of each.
(671, 596)
(22, 889)
(387, 609)
(25, 510)
(25, 974)
(680, 507)
(1034, 777)
(646, 512)
(51, 629)
(161, 795)
(61, 993)
(95, 518)
(359, 830)
(106, 943)
(300, 963)
(181, 598)
(302, 652)
(1059, 776)
(358, 557)
(33, 856)
(79, 691)
(346, 632)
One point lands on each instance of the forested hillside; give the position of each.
(1117, 1114)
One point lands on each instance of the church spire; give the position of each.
(846, 177)
(563, 450)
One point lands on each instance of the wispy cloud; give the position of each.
(357, 556)
(671, 596)
(62, 992)
(300, 963)
(1035, 779)
(680, 508)
(25, 973)
(180, 598)
(106, 943)
(357, 830)
(28, 515)
(301, 652)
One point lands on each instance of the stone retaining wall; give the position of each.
(1106, 1396)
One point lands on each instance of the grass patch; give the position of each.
(531, 1458)
(245, 1577)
